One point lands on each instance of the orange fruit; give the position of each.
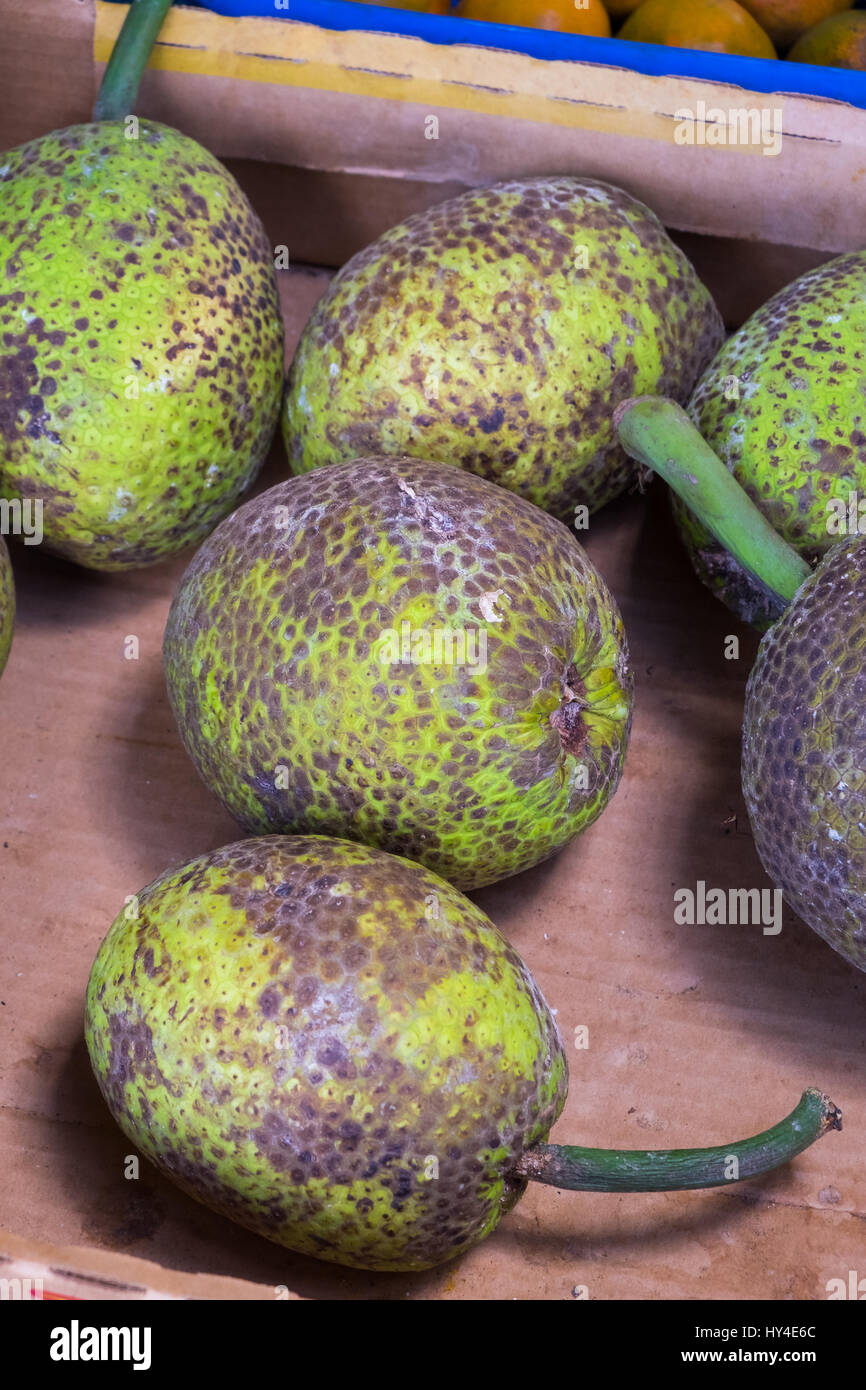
(718, 26)
(838, 42)
(568, 16)
(786, 20)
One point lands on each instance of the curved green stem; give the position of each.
(119, 88)
(674, 1170)
(661, 436)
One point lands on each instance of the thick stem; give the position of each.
(119, 88)
(660, 435)
(674, 1170)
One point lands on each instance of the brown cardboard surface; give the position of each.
(46, 66)
(697, 1035)
(76, 1272)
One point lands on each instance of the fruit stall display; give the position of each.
(248, 500)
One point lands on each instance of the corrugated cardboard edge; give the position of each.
(380, 104)
(36, 1269)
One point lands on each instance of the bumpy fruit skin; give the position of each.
(141, 345)
(804, 751)
(327, 1044)
(7, 604)
(498, 331)
(783, 406)
(303, 710)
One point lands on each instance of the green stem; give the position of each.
(119, 89)
(661, 436)
(674, 1170)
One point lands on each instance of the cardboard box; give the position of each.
(354, 147)
(697, 1034)
(370, 103)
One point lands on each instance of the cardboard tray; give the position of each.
(697, 1034)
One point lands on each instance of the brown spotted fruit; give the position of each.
(804, 751)
(804, 729)
(399, 652)
(336, 1049)
(783, 405)
(7, 604)
(141, 344)
(497, 331)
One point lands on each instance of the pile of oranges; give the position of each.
(826, 32)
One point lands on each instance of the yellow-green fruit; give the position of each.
(7, 603)
(498, 331)
(398, 652)
(783, 405)
(838, 42)
(140, 340)
(804, 751)
(327, 1044)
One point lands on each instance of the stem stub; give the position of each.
(677, 1170)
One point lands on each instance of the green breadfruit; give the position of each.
(141, 346)
(327, 1044)
(784, 406)
(804, 751)
(401, 653)
(497, 331)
